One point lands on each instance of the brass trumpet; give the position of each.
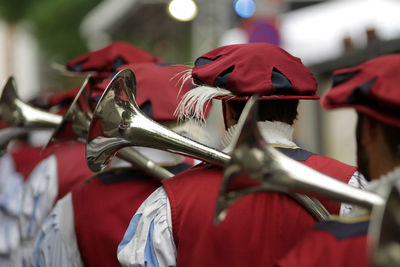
(118, 122)
(17, 113)
(22, 116)
(80, 124)
(271, 170)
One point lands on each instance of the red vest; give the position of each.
(71, 165)
(331, 244)
(259, 228)
(25, 158)
(71, 162)
(103, 208)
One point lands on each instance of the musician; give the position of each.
(371, 88)
(174, 226)
(63, 165)
(86, 226)
(18, 167)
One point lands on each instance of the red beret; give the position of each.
(157, 88)
(64, 99)
(107, 59)
(255, 68)
(65, 96)
(371, 88)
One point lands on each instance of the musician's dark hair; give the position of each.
(271, 110)
(390, 133)
(392, 137)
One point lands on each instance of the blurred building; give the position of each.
(19, 56)
(333, 35)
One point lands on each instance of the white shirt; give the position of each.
(56, 245)
(40, 192)
(140, 248)
(23, 207)
(11, 191)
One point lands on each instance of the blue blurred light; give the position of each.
(244, 8)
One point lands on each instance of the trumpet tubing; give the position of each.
(137, 159)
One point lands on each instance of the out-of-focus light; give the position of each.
(244, 8)
(183, 10)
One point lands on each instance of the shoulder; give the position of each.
(331, 243)
(300, 154)
(331, 167)
(196, 176)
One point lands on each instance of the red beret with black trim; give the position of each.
(107, 59)
(255, 68)
(372, 88)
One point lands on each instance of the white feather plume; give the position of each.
(184, 76)
(195, 102)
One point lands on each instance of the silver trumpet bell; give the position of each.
(22, 117)
(270, 170)
(118, 122)
(80, 121)
(17, 113)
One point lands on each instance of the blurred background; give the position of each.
(37, 37)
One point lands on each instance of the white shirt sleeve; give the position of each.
(149, 241)
(9, 234)
(7, 167)
(357, 181)
(40, 193)
(10, 206)
(11, 192)
(56, 244)
(11, 186)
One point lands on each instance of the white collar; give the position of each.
(381, 185)
(274, 132)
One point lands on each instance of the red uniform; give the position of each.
(71, 165)
(259, 228)
(52, 178)
(103, 208)
(331, 243)
(25, 158)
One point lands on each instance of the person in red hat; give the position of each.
(371, 88)
(48, 178)
(17, 167)
(62, 165)
(174, 226)
(85, 227)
